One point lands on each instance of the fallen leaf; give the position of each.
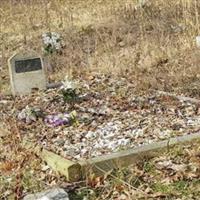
(7, 166)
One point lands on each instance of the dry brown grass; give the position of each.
(153, 45)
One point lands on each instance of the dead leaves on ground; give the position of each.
(172, 175)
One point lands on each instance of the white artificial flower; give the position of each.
(53, 40)
(68, 84)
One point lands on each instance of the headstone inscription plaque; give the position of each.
(26, 73)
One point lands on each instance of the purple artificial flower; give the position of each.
(58, 120)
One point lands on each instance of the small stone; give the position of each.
(45, 167)
(60, 142)
(198, 41)
(3, 102)
(123, 197)
(90, 134)
(122, 44)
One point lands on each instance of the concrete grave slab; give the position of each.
(27, 72)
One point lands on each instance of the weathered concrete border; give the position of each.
(179, 97)
(75, 171)
(71, 170)
(128, 157)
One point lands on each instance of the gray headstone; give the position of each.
(26, 73)
(52, 194)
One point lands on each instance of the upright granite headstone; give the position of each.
(26, 73)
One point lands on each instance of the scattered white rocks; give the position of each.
(164, 134)
(108, 137)
(193, 121)
(126, 129)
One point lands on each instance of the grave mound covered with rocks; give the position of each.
(105, 115)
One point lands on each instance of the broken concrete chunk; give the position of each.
(51, 194)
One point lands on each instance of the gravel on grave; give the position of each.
(124, 129)
(111, 118)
